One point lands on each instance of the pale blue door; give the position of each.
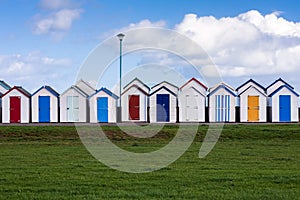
(72, 108)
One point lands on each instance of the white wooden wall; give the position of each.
(25, 107)
(212, 106)
(112, 107)
(143, 104)
(244, 105)
(153, 105)
(275, 105)
(53, 105)
(82, 105)
(198, 102)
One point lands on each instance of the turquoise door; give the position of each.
(102, 109)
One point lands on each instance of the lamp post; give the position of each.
(120, 36)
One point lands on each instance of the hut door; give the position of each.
(73, 108)
(284, 108)
(15, 109)
(134, 107)
(192, 108)
(44, 108)
(253, 108)
(163, 108)
(222, 108)
(102, 109)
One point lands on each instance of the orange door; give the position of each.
(253, 108)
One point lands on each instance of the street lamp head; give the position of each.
(120, 36)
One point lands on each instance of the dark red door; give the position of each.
(15, 109)
(134, 107)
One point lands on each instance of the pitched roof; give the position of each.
(194, 79)
(163, 87)
(164, 82)
(249, 88)
(4, 85)
(251, 80)
(219, 87)
(219, 84)
(20, 89)
(280, 79)
(138, 87)
(48, 88)
(86, 83)
(281, 87)
(107, 91)
(77, 89)
(136, 79)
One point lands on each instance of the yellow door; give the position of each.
(253, 108)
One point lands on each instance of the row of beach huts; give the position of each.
(164, 102)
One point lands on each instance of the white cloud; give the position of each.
(33, 70)
(59, 21)
(248, 44)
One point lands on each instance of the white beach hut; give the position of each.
(103, 106)
(191, 101)
(163, 103)
(253, 102)
(135, 101)
(44, 105)
(16, 106)
(283, 101)
(74, 105)
(222, 102)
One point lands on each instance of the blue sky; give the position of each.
(46, 41)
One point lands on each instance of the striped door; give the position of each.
(253, 108)
(222, 108)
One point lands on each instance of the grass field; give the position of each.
(248, 162)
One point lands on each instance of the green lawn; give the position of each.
(248, 162)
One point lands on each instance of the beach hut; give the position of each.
(283, 101)
(16, 106)
(253, 102)
(163, 103)
(4, 87)
(44, 105)
(73, 105)
(222, 102)
(103, 106)
(135, 101)
(191, 101)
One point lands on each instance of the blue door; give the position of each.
(44, 108)
(102, 109)
(163, 108)
(284, 108)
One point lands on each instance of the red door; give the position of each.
(134, 107)
(15, 109)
